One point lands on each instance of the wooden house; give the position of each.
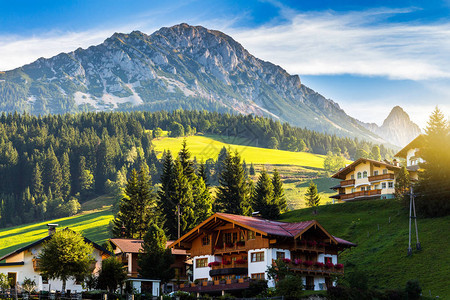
(230, 250)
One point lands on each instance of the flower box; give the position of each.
(297, 262)
(321, 244)
(216, 282)
(241, 280)
(241, 243)
(229, 245)
(214, 264)
(329, 265)
(338, 266)
(204, 283)
(192, 284)
(226, 262)
(228, 281)
(308, 263)
(181, 285)
(241, 261)
(318, 264)
(312, 243)
(286, 260)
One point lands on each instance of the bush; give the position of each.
(413, 290)
(256, 287)
(291, 287)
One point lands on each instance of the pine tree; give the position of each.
(203, 173)
(375, 155)
(263, 197)
(155, 260)
(432, 189)
(66, 178)
(137, 209)
(278, 192)
(166, 195)
(311, 196)
(183, 196)
(402, 185)
(184, 156)
(252, 170)
(53, 173)
(202, 200)
(233, 191)
(37, 188)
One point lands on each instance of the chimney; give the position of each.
(395, 162)
(256, 214)
(51, 228)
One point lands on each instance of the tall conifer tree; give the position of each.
(312, 197)
(66, 178)
(278, 192)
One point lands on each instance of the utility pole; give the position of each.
(412, 207)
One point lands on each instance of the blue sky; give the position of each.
(366, 55)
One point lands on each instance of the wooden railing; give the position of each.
(381, 177)
(230, 265)
(361, 194)
(306, 246)
(316, 269)
(224, 247)
(347, 182)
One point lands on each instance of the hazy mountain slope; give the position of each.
(177, 67)
(397, 128)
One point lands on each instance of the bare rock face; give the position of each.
(397, 128)
(183, 66)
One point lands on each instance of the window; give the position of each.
(280, 255)
(353, 190)
(241, 236)
(352, 177)
(44, 279)
(328, 260)
(368, 188)
(235, 235)
(390, 185)
(259, 276)
(384, 171)
(383, 185)
(12, 279)
(359, 175)
(205, 240)
(363, 189)
(201, 263)
(375, 173)
(251, 235)
(257, 256)
(228, 238)
(365, 174)
(376, 187)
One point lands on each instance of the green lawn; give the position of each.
(92, 224)
(204, 147)
(382, 252)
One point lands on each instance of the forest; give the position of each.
(50, 164)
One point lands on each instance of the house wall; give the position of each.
(201, 273)
(27, 271)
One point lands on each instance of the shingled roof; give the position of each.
(135, 245)
(262, 226)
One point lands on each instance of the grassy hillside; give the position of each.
(92, 223)
(382, 246)
(204, 147)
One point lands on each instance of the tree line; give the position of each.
(50, 164)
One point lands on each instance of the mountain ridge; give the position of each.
(182, 66)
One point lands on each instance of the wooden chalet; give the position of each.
(230, 250)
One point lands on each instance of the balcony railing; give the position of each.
(311, 246)
(381, 177)
(361, 194)
(349, 182)
(217, 285)
(232, 264)
(230, 247)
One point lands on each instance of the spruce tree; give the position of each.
(183, 196)
(432, 190)
(37, 187)
(202, 172)
(263, 197)
(233, 191)
(184, 156)
(53, 173)
(402, 185)
(278, 192)
(375, 155)
(202, 200)
(252, 170)
(167, 197)
(155, 259)
(311, 196)
(66, 178)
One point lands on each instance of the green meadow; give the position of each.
(380, 229)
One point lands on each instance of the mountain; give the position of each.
(397, 128)
(183, 66)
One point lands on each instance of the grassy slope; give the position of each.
(382, 253)
(204, 147)
(92, 223)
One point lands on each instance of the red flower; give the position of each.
(308, 263)
(227, 262)
(329, 265)
(241, 261)
(297, 261)
(318, 264)
(321, 244)
(312, 243)
(339, 266)
(287, 260)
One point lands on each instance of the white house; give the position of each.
(23, 263)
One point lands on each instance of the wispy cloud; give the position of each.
(318, 43)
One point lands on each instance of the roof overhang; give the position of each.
(415, 143)
(341, 174)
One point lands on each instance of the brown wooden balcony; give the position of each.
(308, 246)
(381, 177)
(232, 247)
(350, 182)
(212, 286)
(230, 265)
(361, 194)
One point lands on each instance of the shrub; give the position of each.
(413, 290)
(291, 287)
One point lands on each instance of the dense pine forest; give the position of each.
(49, 164)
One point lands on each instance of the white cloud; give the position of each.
(353, 43)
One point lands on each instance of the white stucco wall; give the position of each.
(321, 258)
(204, 271)
(261, 267)
(27, 271)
